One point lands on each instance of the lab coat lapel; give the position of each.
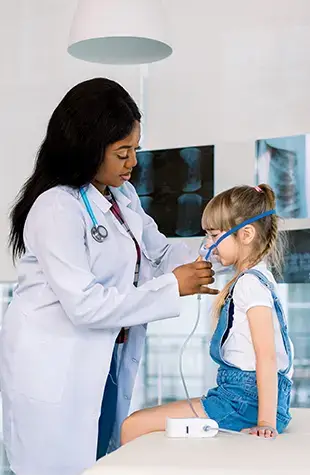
(132, 218)
(103, 205)
(97, 199)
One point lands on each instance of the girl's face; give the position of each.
(227, 250)
(233, 250)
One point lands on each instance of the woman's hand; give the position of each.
(192, 278)
(262, 430)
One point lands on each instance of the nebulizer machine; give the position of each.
(197, 427)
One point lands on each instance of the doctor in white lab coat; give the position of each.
(77, 322)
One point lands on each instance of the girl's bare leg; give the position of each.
(153, 419)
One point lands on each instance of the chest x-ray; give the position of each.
(284, 164)
(174, 186)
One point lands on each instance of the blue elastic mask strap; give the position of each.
(236, 228)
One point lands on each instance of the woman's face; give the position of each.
(119, 160)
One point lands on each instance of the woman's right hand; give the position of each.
(192, 278)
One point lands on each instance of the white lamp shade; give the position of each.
(119, 32)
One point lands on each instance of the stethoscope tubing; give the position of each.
(96, 232)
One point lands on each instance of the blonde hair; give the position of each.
(230, 208)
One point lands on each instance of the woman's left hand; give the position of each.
(267, 432)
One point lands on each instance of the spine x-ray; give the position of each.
(174, 186)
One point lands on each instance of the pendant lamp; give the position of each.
(119, 32)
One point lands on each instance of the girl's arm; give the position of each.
(262, 332)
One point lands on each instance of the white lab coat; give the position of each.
(58, 335)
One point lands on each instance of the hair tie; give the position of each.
(258, 189)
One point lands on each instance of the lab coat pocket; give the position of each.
(42, 364)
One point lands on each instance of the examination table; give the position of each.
(156, 454)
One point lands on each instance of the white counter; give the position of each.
(155, 454)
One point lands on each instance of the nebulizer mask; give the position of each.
(208, 253)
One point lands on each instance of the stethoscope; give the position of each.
(99, 233)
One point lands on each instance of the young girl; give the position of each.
(250, 343)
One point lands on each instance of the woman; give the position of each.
(93, 271)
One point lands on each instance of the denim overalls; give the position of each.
(234, 402)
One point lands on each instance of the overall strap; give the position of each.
(261, 277)
(230, 310)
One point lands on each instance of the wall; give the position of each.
(240, 70)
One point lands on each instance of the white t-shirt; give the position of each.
(249, 292)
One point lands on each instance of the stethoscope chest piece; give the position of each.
(99, 233)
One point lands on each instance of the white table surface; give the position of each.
(156, 454)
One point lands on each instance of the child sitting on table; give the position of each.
(250, 343)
